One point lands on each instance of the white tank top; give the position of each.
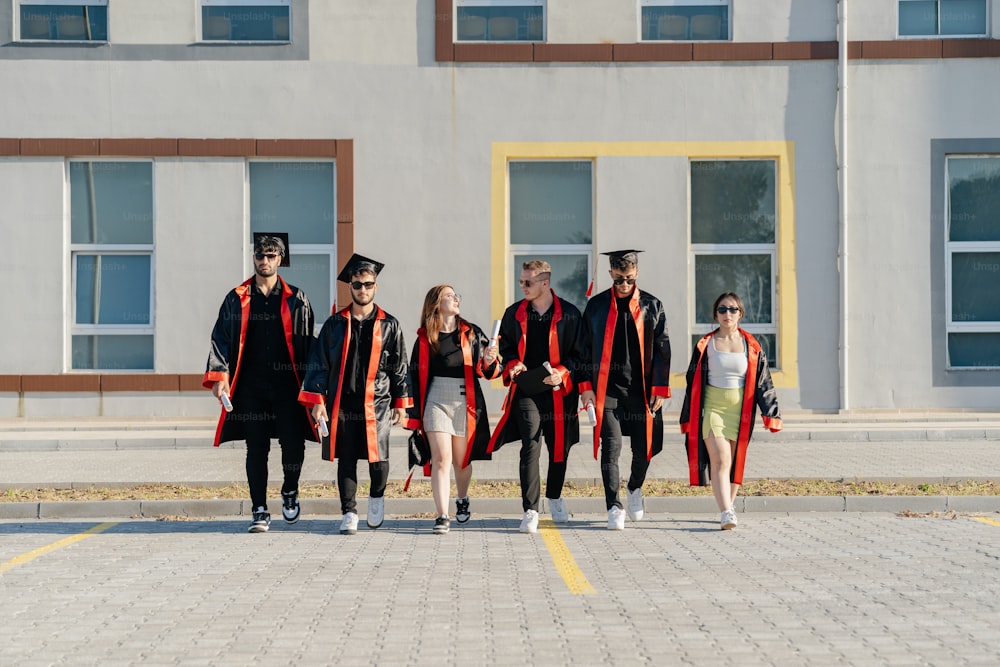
(726, 370)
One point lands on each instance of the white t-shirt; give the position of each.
(726, 370)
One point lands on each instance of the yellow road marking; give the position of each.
(563, 559)
(49, 548)
(983, 519)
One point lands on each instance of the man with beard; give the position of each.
(357, 381)
(260, 343)
(628, 376)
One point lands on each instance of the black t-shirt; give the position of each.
(536, 345)
(625, 372)
(266, 360)
(358, 356)
(448, 362)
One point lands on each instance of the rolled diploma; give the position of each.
(226, 403)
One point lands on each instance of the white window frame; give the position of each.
(107, 250)
(199, 30)
(500, 3)
(938, 35)
(58, 3)
(682, 3)
(537, 249)
(952, 248)
(298, 249)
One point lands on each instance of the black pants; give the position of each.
(622, 417)
(260, 407)
(535, 417)
(352, 445)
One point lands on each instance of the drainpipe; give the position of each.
(842, 255)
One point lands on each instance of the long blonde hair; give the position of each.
(430, 316)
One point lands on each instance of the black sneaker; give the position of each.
(441, 525)
(462, 513)
(290, 506)
(261, 521)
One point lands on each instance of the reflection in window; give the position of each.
(733, 240)
(684, 20)
(942, 17)
(500, 20)
(111, 242)
(973, 257)
(72, 20)
(245, 20)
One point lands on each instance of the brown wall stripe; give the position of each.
(296, 148)
(10, 383)
(67, 383)
(444, 47)
(216, 147)
(568, 53)
(190, 382)
(138, 147)
(130, 382)
(140, 382)
(10, 147)
(60, 147)
(345, 180)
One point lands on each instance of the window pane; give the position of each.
(569, 276)
(746, 275)
(974, 350)
(113, 352)
(112, 289)
(767, 344)
(918, 18)
(499, 23)
(974, 199)
(963, 17)
(294, 197)
(311, 274)
(975, 277)
(65, 22)
(732, 201)
(245, 23)
(551, 203)
(685, 22)
(111, 202)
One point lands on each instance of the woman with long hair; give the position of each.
(448, 404)
(728, 379)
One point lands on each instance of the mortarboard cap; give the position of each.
(631, 256)
(266, 240)
(359, 262)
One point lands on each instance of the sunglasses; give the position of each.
(722, 310)
(259, 256)
(368, 284)
(627, 281)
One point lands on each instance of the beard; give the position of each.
(263, 271)
(362, 299)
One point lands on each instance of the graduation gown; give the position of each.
(565, 352)
(477, 426)
(386, 384)
(229, 335)
(599, 321)
(758, 391)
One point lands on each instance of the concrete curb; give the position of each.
(153, 509)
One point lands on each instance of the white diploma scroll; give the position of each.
(226, 403)
(324, 430)
(555, 387)
(496, 332)
(591, 413)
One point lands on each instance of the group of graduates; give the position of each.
(356, 381)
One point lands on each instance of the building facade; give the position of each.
(834, 163)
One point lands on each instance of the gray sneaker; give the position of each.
(728, 519)
(557, 506)
(376, 512)
(349, 524)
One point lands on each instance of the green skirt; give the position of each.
(722, 412)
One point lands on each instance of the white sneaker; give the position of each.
(529, 523)
(635, 506)
(376, 512)
(616, 519)
(728, 519)
(349, 524)
(557, 506)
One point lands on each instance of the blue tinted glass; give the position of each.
(500, 24)
(294, 197)
(111, 202)
(113, 352)
(88, 23)
(974, 350)
(551, 202)
(963, 17)
(112, 289)
(311, 274)
(733, 201)
(973, 199)
(680, 22)
(245, 23)
(918, 18)
(746, 275)
(975, 277)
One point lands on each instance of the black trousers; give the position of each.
(352, 446)
(622, 417)
(259, 407)
(535, 417)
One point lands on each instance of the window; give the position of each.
(64, 20)
(972, 261)
(111, 249)
(733, 241)
(499, 20)
(298, 198)
(684, 20)
(922, 18)
(245, 20)
(551, 218)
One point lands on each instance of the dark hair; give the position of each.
(731, 295)
(430, 315)
(624, 262)
(360, 268)
(270, 244)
